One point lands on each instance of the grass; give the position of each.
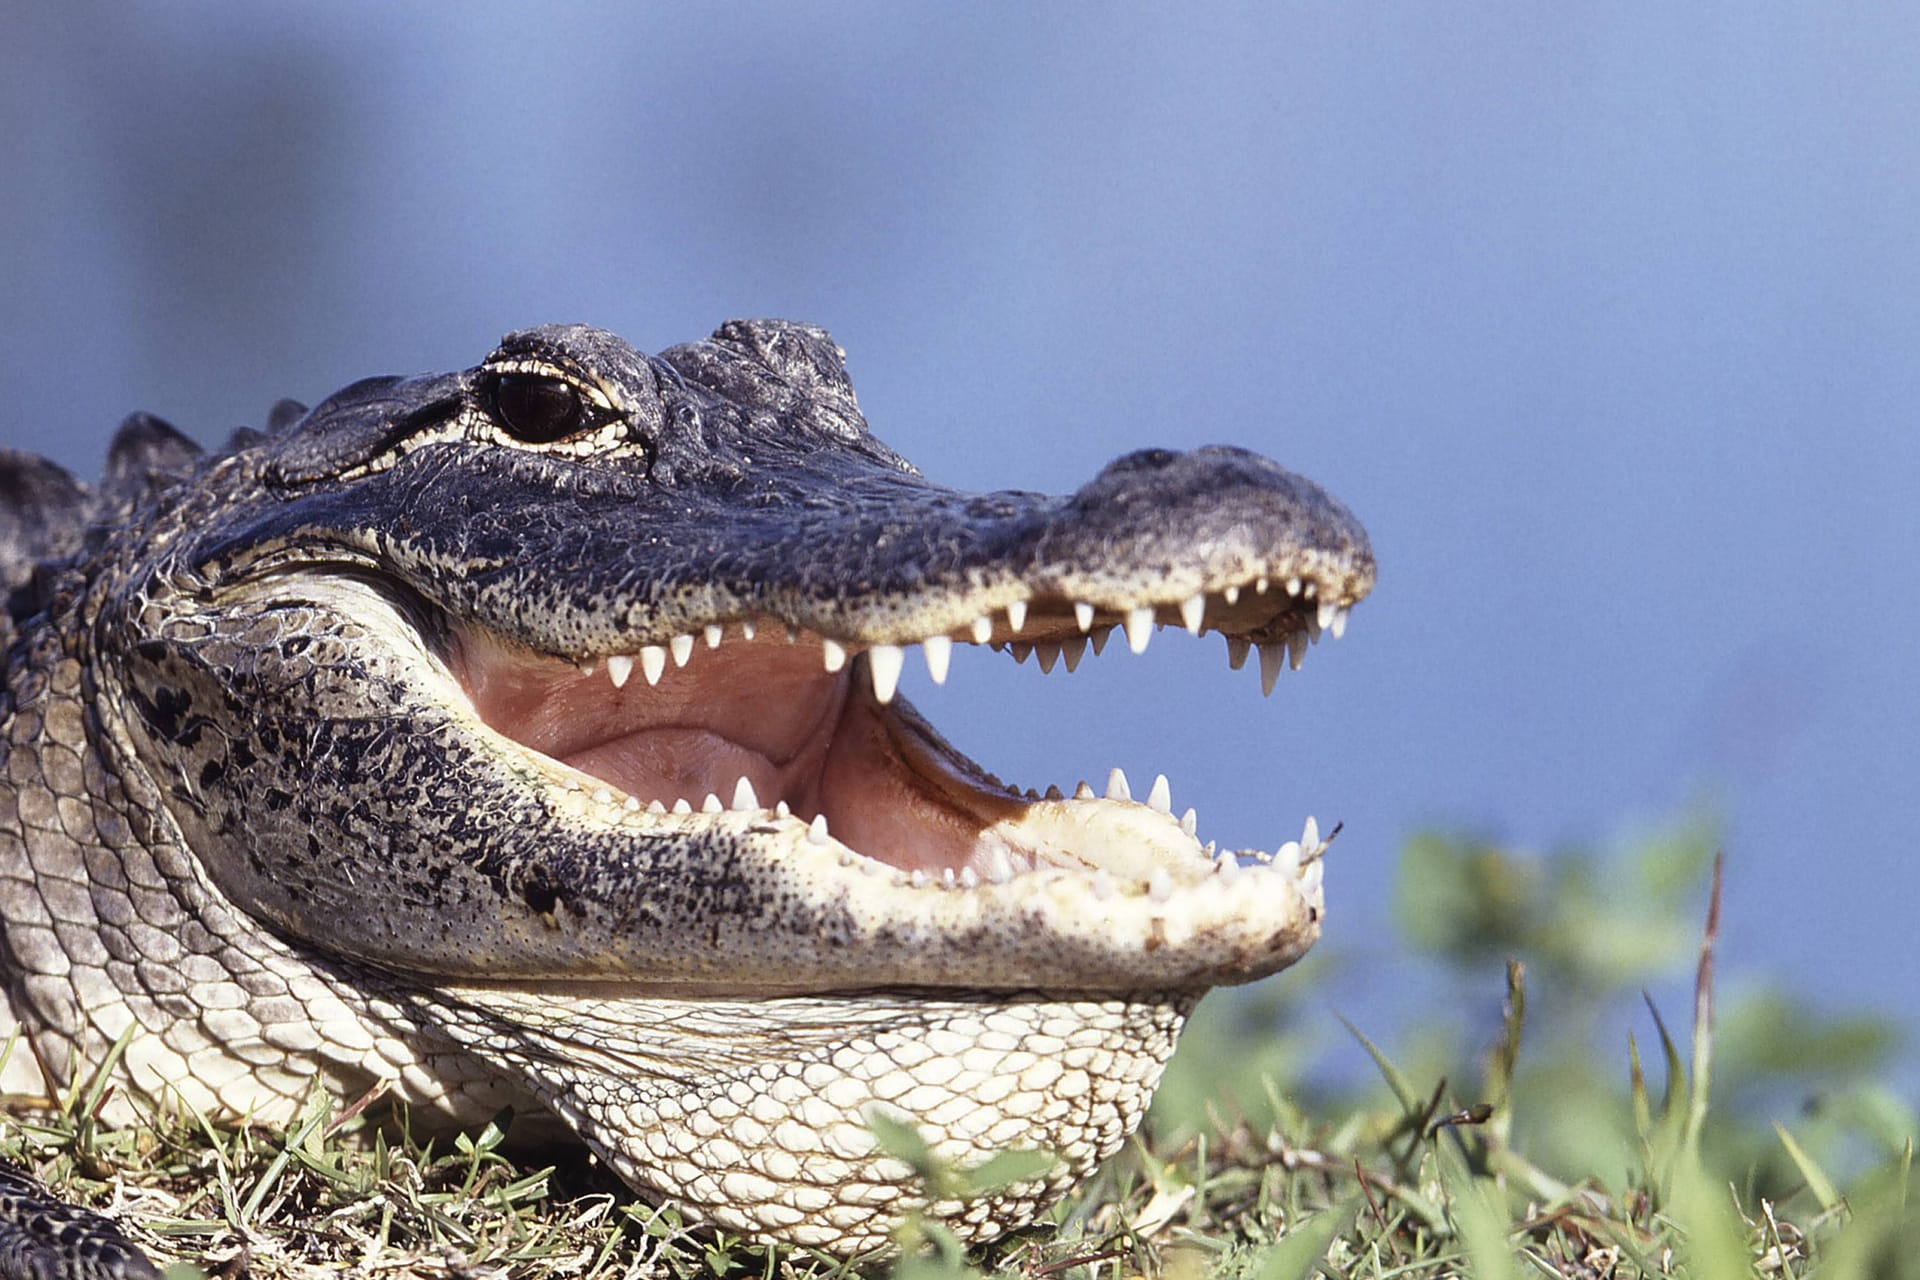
(1531, 1158)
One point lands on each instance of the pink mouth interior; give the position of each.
(765, 710)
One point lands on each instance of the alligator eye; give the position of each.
(538, 409)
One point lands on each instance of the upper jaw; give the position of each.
(844, 548)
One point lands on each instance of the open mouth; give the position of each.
(759, 717)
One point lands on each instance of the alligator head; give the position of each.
(554, 701)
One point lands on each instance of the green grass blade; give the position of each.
(1816, 1178)
(1700, 1084)
(103, 1078)
(1676, 1071)
(1642, 1103)
(1410, 1098)
(1304, 1247)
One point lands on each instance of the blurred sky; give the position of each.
(1605, 320)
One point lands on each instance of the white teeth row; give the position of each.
(1300, 860)
(885, 661)
(652, 659)
(1291, 856)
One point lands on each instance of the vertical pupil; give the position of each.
(537, 408)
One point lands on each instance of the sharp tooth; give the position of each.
(681, 806)
(982, 629)
(586, 666)
(1020, 650)
(1159, 885)
(817, 829)
(1326, 613)
(1139, 627)
(1117, 785)
(619, 667)
(1237, 647)
(846, 858)
(999, 866)
(1310, 835)
(1160, 799)
(1192, 610)
(1231, 595)
(1074, 650)
(1053, 792)
(937, 650)
(1312, 878)
(1228, 868)
(782, 810)
(1272, 657)
(1297, 649)
(631, 804)
(1339, 624)
(711, 804)
(1083, 614)
(747, 630)
(602, 795)
(1293, 586)
(917, 878)
(969, 878)
(883, 665)
(654, 806)
(947, 879)
(653, 663)
(1190, 822)
(1287, 858)
(1313, 627)
(743, 797)
(1100, 640)
(1083, 791)
(1016, 616)
(1260, 585)
(682, 647)
(834, 654)
(1308, 589)
(714, 634)
(1049, 655)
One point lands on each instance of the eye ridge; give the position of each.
(537, 408)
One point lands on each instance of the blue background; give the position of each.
(1605, 320)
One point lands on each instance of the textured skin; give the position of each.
(247, 810)
(41, 1239)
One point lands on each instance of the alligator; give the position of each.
(528, 737)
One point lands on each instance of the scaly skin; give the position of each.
(384, 746)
